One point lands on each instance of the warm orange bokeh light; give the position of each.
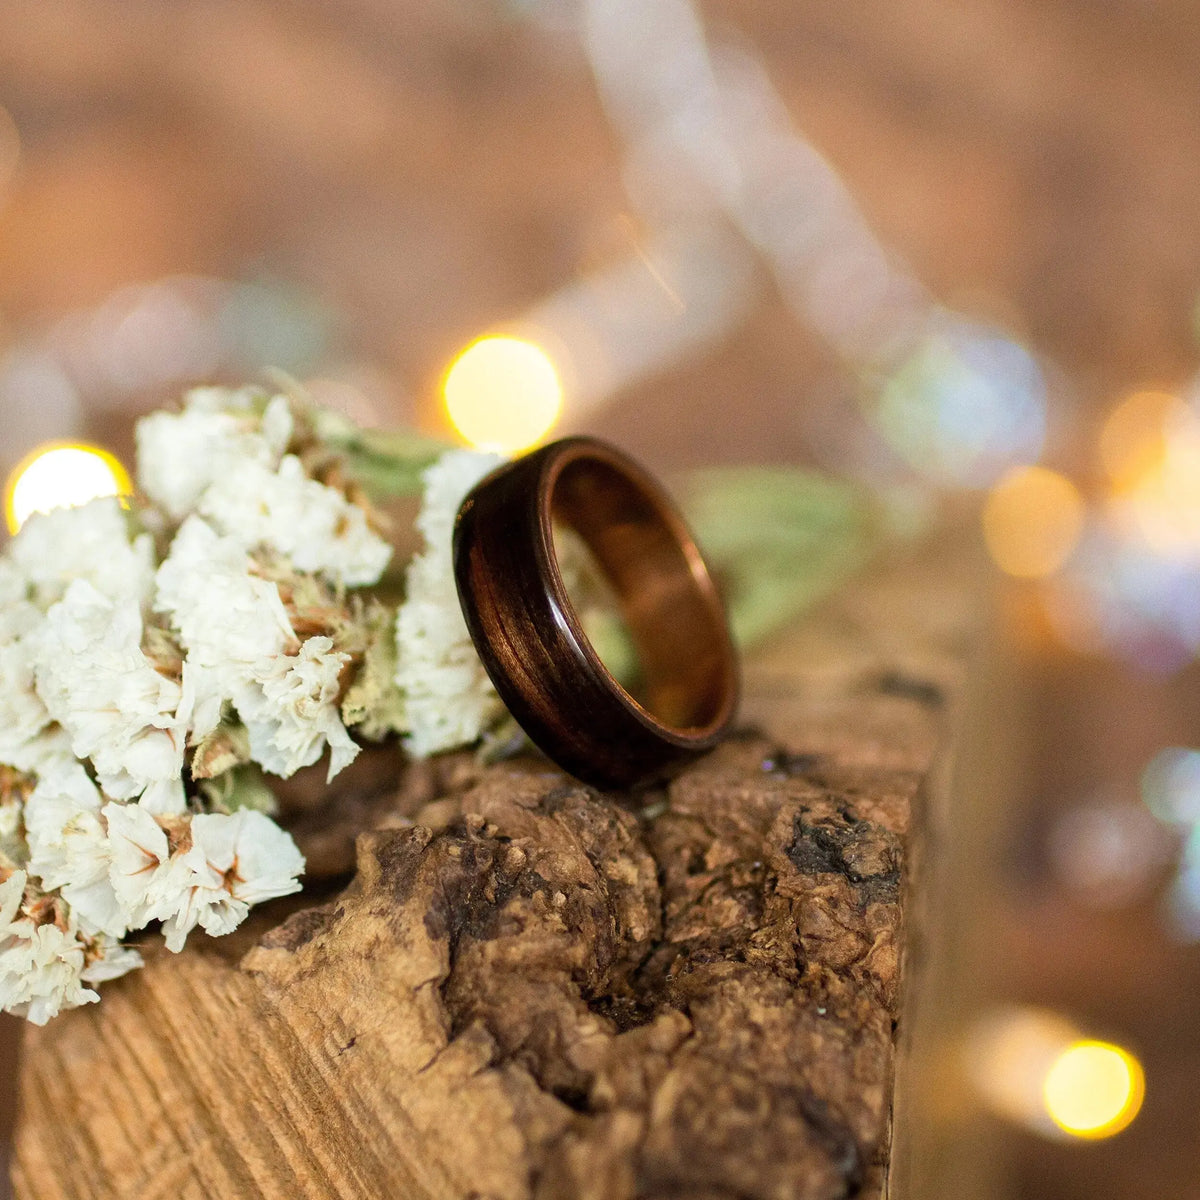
(1155, 466)
(1133, 439)
(61, 476)
(1033, 1067)
(1094, 1089)
(503, 393)
(1031, 521)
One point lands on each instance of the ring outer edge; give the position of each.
(528, 638)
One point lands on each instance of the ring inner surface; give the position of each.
(665, 597)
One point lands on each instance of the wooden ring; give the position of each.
(530, 638)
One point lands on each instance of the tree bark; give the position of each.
(531, 990)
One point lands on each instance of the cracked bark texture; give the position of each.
(533, 990)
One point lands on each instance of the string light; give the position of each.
(1133, 437)
(1033, 1068)
(1031, 521)
(1007, 1053)
(1158, 488)
(1094, 1089)
(1171, 791)
(503, 393)
(61, 476)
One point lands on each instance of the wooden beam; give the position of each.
(530, 989)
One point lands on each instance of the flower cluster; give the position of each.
(157, 658)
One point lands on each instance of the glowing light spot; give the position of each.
(1108, 851)
(1171, 786)
(503, 393)
(1007, 1053)
(1094, 1089)
(61, 476)
(966, 406)
(1158, 495)
(1034, 1068)
(1133, 439)
(1031, 521)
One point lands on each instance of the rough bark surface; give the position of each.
(533, 990)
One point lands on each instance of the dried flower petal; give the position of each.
(118, 710)
(90, 542)
(69, 847)
(41, 964)
(292, 711)
(448, 699)
(181, 454)
(242, 649)
(314, 526)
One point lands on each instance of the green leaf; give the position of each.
(244, 786)
(778, 540)
(387, 463)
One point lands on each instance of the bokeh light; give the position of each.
(1031, 521)
(61, 476)
(966, 406)
(1127, 599)
(1032, 1067)
(1183, 898)
(1171, 791)
(1158, 500)
(1094, 1089)
(1171, 786)
(1108, 851)
(1132, 587)
(503, 393)
(1007, 1054)
(1133, 437)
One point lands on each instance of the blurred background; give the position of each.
(946, 252)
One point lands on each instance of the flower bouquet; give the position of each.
(162, 657)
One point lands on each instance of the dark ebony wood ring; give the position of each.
(531, 640)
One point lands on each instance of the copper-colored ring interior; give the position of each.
(665, 593)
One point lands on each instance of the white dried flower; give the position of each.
(41, 964)
(448, 699)
(241, 648)
(139, 861)
(106, 958)
(212, 398)
(221, 610)
(25, 741)
(69, 847)
(90, 542)
(313, 525)
(233, 861)
(227, 619)
(255, 859)
(118, 710)
(89, 545)
(18, 614)
(14, 587)
(13, 850)
(98, 708)
(180, 454)
(198, 897)
(292, 711)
